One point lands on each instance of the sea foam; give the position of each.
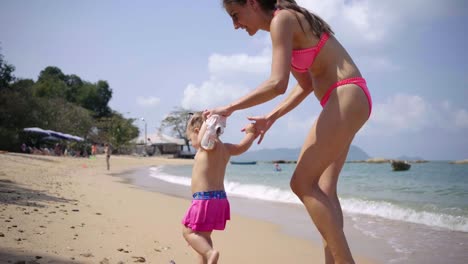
(350, 205)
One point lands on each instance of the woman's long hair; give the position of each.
(317, 24)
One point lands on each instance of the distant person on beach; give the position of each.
(24, 148)
(210, 207)
(93, 149)
(277, 167)
(304, 45)
(107, 152)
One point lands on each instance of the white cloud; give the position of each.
(445, 105)
(452, 119)
(220, 65)
(328, 10)
(362, 18)
(375, 21)
(461, 118)
(400, 113)
(228, 75)
(411, 113)
(358, 21)
(211, 93)
(150, 101)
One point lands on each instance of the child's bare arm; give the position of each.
(250, 135)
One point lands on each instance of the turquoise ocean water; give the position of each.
(419, 216)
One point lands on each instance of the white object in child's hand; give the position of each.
(213, 124)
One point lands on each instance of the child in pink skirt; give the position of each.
(210, 208)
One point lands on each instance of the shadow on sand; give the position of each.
(17, 257)
(12, 193)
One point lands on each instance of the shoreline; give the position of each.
(72, 210)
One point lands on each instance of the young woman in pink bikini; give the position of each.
(304, 45)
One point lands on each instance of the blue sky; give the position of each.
(158, 55)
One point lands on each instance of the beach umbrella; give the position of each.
(56, 134)
(65, 136)
(37, 130)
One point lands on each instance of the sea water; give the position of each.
(421, 215)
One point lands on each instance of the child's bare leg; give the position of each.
(201, 242)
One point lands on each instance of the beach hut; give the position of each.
(159, 144)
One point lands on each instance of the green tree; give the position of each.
(59, 102)
(50, 88)
(6, 73)
(50, 83)
(104, 94)
(74, 84)
(24, 86)
(53, 83)
(176, 122)
(51, 72)
(95, 97)
(66, 117)
(116, 130)
(20, 110)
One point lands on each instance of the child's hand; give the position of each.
(250, 128)
(262, 124)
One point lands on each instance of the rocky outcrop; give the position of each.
(378, 160)
(465, 161)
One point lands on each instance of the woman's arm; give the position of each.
(281, 33)
(295, 97)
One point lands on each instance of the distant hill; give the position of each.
(291, 154)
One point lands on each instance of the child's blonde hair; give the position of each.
(196, 121)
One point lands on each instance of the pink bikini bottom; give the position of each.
(359, 81)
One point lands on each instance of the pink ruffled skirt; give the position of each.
(207, 214)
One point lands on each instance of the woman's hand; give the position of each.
(262, 124)
(223, 111)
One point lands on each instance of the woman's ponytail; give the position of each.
(317, 24)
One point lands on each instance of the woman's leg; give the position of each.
(332, 133)
(201, 242)
(328, 184)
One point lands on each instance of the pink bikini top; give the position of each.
(302, 59)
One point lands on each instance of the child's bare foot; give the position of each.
(213, 256)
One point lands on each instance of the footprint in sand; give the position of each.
(139, 259)
(123, 250)
(104, 261)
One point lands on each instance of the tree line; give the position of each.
(62, 102)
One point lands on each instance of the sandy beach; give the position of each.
(72, 210)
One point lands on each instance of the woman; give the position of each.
(304, 45)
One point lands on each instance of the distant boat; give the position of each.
(399, 165)
(243, 162)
